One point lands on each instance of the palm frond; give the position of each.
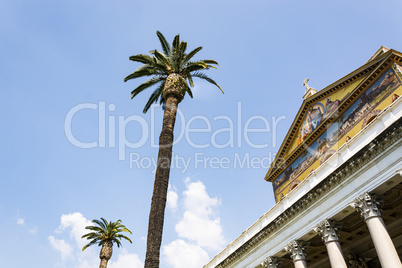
(175, 54)
(205, 77)
(151, 61)
(124, 229)
(182, 50)
(154, 97)
(93, 242)
(195, 66)
(190, 55)
(161, 57)
(146, 71)
(183, 47)
(118, 243)
(197, 63)
(100, 223)
(190, 79)
(105, 223)
(125, 237)
(189, 92)
(92, 228)
(211, 62)
(147, 84)
(88, 235)
(162, 103)
(176, 42)
(165, 45)
(146, 59)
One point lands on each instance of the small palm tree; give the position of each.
(105, 234)
(172, 71)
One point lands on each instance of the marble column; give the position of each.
(296, 251)
(271, 262)
(368, 208)
(329, 234)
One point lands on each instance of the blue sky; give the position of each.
(60, 56)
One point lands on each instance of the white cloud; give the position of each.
(180, 254)
(172, 198)
(33, 230)
(197, 199)
(126, 260)
(20, 221)
(204, 231)
(64, 248)
(199, 223)
(77, 222)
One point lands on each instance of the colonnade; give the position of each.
(367, 206)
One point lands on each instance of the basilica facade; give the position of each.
(337, 179)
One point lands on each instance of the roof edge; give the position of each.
(377, 58)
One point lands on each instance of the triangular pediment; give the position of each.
(321, 111)
(312, 114)
(379, 52)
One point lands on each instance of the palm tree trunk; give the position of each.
(159, 195)
(106, 253)
(103, 263)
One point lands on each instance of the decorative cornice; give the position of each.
(385, 140)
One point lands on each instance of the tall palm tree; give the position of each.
(105, 234)
(171, 71)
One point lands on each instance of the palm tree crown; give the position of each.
(106, 232)
(173, 60)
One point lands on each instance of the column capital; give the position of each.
(328, 230)
(367, 205)
(356, 262)
(296, 250)
(271, 262)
